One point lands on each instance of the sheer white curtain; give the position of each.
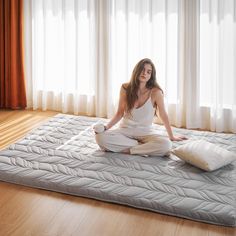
(210, 60)
(217, 64)
(61, 47)
(79, 52)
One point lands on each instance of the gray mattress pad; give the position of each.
(62, 155)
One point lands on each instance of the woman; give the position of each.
(139, 100)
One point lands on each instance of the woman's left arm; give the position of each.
(158, 98)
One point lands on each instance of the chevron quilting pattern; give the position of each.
(61, 155)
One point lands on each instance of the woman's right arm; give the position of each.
(120, 111)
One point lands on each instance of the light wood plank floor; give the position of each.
(27, 211)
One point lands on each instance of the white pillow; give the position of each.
(204, 155)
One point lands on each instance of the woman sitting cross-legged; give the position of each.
(138, 102)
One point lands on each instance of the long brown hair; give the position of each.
(133, 85)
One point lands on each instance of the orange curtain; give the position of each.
(12, 83)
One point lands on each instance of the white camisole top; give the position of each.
(141, 117)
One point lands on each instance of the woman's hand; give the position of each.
(178, 138)
(99, 128)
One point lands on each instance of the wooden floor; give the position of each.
(26, 211)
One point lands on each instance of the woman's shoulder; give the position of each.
(156, 95)
(124, 85)
(156, 91)
(123, 89)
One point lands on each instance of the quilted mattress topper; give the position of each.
(62, 155)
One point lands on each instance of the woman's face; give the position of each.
(146, 73)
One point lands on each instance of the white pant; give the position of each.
(119, 139)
